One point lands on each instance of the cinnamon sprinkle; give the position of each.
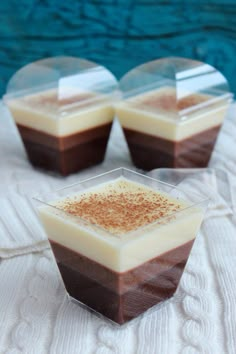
(121, 207)
(50, 100)
(169, 102)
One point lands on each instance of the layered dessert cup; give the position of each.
(64, 128)
(173, 123)
(121, 240)
(68, 143)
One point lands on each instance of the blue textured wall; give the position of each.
(117, 33)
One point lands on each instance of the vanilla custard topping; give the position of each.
(157, 113)
(121, 206)
(61, 116)
(126, 223)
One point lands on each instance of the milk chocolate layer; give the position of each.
(121, 296)
(67, 154)
(149, 152)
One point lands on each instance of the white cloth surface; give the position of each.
(35, 314)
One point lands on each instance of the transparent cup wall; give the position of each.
(171, 112)
(121, 276)
(63, 108)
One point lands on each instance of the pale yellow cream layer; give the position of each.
(131, 242)
(75, 120)
(163, 124)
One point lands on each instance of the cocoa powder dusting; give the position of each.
(50, 100)
(168, 101)
(121, 211)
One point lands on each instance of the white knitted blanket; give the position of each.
(36, 316)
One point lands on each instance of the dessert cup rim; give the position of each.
(177, 116)
(96, 228)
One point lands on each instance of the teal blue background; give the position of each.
(119, 34)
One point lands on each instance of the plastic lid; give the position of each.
(61, 84)
(174, 87)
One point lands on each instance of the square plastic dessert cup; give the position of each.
(121, 271)
(172, 111)
(63, 109)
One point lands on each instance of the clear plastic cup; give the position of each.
(172, 111)
(121, 240)
(63, 109)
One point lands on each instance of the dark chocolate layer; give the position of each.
(67, 154)
(149, 152)
(121, 296)
(121, 308)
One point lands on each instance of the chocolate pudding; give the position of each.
(63, 134)
(121, 247)
(163, 131)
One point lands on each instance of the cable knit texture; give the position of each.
(36, 315)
